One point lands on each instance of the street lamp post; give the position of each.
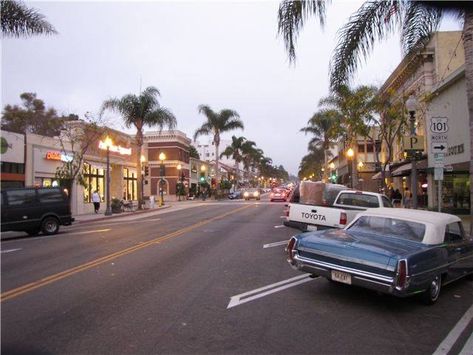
(162, 158)
(179, 167)
(108, 144)
(411, 106)
(202, 171)
(143, 160)
(350, 154)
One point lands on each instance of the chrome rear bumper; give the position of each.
(359, 277)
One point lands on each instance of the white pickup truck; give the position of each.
(346, 206)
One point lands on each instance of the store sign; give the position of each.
(115, 148)
(58, 156)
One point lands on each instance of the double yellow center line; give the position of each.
(61, 275)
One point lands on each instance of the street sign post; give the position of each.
(439, 146)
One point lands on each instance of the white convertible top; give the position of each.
(435, 221)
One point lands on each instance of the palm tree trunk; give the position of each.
(139, 180)
(217, 172)
(324, 176)
(468, 46)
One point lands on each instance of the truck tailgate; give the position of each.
(315, 215)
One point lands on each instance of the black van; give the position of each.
(32, 210)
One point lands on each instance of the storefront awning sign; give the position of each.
(58, 156)
(115, 148)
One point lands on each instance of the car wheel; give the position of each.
(271, 200)
(50, 225)
(431, 295)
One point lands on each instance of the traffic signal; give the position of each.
(146, 170)
(202, 179)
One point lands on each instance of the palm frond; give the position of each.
(204, 130)
(374, 21)
(160, 117)
(17, 20)
(291, 18)
(419, 23)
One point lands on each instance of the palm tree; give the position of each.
(324, 125)
(20, 21)
(374, 21)
(235, 150)
(217, 123)
(311, 163)
(139, 111)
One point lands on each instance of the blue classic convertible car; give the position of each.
(396, 251)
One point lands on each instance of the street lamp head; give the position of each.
(108, 142)
(179, 166)
(143, 158)
(331, 165)
(162, 156)
(411, 104)
(202, 168)
(350, 153)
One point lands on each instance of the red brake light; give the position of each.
(343, 218)
(401, 279)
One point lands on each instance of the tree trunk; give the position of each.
(139, 180)
(468, 46)
(217, 172)
(354, 165)
(324, 175)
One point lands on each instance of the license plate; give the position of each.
(311, 228)
(341, 277)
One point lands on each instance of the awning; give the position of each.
(405, 170)
(377, 176)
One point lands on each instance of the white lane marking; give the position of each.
(280, 226)
(275, 244)
(89, 232)
(447, 344)
(9, 250)
(267, 290)
(468, 348)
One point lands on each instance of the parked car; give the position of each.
(252, 194)
(341, 211)
(234, 195)
(32, 210)
(278, 194)
(402, 252)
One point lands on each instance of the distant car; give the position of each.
(234, 195)
(278, 194)
(252, 194)
(33, 210)
(402, 252)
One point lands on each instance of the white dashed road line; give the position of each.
(9, 250)
(267, 290)
(275, 244)
(447, 344)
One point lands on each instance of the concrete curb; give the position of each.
(118, 215)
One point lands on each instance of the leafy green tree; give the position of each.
(33, 117)
(376, 20)
(216, 124)
(324, 125)
(18, 20)
(354, 109)
(140, 111)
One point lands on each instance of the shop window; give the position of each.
(95, 180)
(361, 148)
(13, 168)
(130, 185)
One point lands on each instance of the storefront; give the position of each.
(46, 154)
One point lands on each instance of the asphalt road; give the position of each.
(207, 279)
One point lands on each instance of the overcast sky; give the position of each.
(223, 54)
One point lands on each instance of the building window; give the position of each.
(13, 168)
(129, 186)
(95, 180)
(46, 182)
(361, 148)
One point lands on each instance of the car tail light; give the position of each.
(290, 250)
(401, 277)
(343, 218)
